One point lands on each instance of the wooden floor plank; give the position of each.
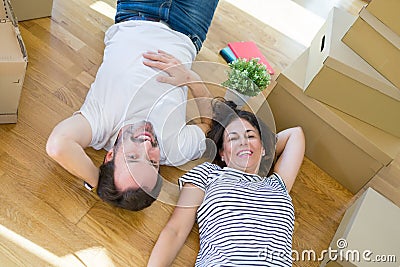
(41, 176)
(35, 220)
(13, 255)
(129, 235)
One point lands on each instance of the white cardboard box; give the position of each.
(368, 234)
(338, 77)
(13, 63)
(32, 9)
(349, 150)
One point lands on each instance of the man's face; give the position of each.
(136, 157)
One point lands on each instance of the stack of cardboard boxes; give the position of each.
(348, 106)
(13, 63)
(377, 29)
(344, 91)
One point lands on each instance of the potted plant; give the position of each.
(246, 78)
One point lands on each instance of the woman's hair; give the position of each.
(224, 112)
(131, 199)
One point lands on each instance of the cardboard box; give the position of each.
(32, 9)
(368, 234)
(383, 44)
(13, 63)
(338, 77)
(386, 11)
(349, 150)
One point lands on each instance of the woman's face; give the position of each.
(242, 147)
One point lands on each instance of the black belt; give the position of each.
(140, 18)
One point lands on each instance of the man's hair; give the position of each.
(131, 199)
(224, 112)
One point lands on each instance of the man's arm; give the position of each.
(66, 146)
(179, 75)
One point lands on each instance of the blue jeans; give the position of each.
(190, 17)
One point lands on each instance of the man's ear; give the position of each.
(109, 156)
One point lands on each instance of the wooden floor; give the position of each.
(47, 218)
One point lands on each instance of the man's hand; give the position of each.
(179, 74)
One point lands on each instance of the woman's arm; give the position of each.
(290, 151)
(174, 234)
(66, 145)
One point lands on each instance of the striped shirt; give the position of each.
(244, 220)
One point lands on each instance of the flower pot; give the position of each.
(239, 99)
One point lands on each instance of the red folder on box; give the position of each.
(249, 50)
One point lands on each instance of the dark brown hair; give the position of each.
(224, 112)
(131, 199)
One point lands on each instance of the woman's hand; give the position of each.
(178, 73)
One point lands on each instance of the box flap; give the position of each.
(11, 46)
(385, 88)
(386, 11)
(10, 34)
(380, 27)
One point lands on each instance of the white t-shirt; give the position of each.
(125, 91)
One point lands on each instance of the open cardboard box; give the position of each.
(368, 229)
(337, 76)
(13, 63)
(348, 149)
(375, 36)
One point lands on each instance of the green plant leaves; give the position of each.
(248, 77)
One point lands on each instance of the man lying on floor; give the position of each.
(133, 112)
